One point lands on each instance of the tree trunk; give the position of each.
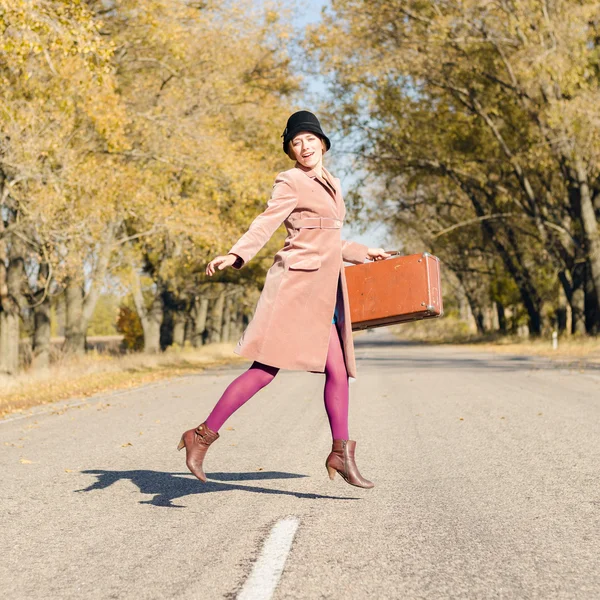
(216, 316)
(41, 308)
(179, 318)
(513, 261)
(464, 310)
(41, 334)
(9, 339)
(514, 319)
(477, 313)
(151, 318)
(80, 307)
(561, 311)
(578, 300)
(166, 326)
(578, 311)
(74, 327)
(151, 325)
(501, 317)
(234, 329)
(522, 277)
(479, 320)
(589, 226)
(199, 315)
(573, 287)
(592, 311)
(11, 279)
(226, 329)
(188, 329)
(236, 318)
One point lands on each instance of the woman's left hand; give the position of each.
(377, 254)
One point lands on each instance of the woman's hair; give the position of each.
(290, 152)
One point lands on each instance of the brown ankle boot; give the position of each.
(341, 460)
(196, 442)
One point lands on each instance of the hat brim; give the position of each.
(299, 128)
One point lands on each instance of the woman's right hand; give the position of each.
(220, 262)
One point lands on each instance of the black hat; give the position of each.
(303, 121)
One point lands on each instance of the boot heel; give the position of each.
(199, 440)
(342, 460)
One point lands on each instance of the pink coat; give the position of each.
(292, 322)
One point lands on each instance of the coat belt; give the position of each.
(317, 223)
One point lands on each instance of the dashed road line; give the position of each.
(268, 568)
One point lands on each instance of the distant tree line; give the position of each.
(137, 140)
(476, 126)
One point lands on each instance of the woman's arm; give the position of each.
(353, 252)
(356, 253)
(282, 202)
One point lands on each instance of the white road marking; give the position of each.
(268, 568)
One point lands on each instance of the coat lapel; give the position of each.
(334, 182)
(339, 202)
(335, 193)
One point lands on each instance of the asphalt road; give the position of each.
(486, 470)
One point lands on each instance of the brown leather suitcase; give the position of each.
(394, 290)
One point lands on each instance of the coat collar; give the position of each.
(313, 175)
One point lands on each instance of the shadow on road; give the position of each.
(167, 487)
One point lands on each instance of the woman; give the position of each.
(302, 319)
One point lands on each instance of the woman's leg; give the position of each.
(239, 391)
(336, 387)
(341, 459)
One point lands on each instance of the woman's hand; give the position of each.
(220, 262)
(377, 254)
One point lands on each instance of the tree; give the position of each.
(205, 92)
(137, 141)
(493, 101)
(53, 78)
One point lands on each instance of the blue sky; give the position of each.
(309, 12)
(306, 13)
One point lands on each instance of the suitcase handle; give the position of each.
(391, 253)
(399, 253)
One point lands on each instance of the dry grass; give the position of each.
(98, 372)
(454, 332)
(569, 348)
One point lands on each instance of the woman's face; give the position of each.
(307, 149)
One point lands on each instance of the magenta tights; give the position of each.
(240, 390)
